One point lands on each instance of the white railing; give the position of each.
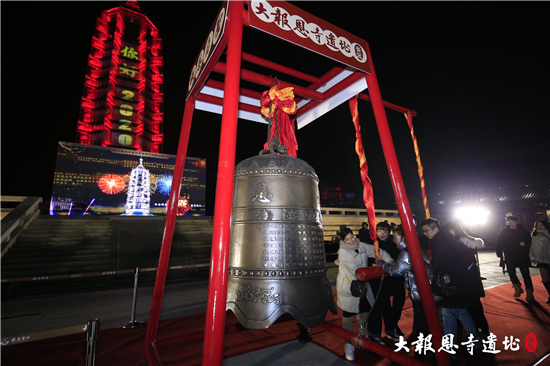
(334, 217)
(18, 218)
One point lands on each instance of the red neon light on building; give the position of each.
(122, 103)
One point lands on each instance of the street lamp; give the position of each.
(472, 215)
(469, 216)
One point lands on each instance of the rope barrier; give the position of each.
(103, 273)
(96, 274)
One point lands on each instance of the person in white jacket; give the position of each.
(540, 252)
(353, 254)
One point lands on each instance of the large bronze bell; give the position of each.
(277, 258)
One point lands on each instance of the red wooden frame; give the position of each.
(217, 290)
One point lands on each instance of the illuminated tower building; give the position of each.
(139, 191)
(122, 104)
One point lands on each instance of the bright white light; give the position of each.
(472, 215)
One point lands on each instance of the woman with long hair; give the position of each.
(353, 254)
(540, 252)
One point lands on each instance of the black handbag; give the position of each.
(358, 288)
(442, 285)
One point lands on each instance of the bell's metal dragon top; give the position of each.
(277, 258)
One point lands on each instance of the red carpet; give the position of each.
(507, 316)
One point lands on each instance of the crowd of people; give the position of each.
(449, 251)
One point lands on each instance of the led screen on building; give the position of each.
(95, 180)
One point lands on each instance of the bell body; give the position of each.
(277, 258)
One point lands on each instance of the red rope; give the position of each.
(368, 197)
(419, 163)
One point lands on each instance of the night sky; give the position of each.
(476, 72)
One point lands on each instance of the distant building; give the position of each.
(138, 200)
(337, 197)
(332, 196)
(122, 105)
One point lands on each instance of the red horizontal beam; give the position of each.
(326, 78)
(219, 101)
(338, 69)
(277, 67)
(269, 82)
(242, 91)
(331, 92)
(389, 105)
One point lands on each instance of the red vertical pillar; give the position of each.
(405, 214)
(217, 288)
(158, 291)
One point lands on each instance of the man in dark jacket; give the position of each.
(515, 242)
(364, 234)
(448, 257)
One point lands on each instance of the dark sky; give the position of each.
(476, 72)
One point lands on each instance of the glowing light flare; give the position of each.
(472, 215)
(164, 184)
(111, 184)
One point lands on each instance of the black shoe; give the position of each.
(393, 336)
(399, 332)
(377, 340)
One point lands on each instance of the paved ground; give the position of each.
(45, 317)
